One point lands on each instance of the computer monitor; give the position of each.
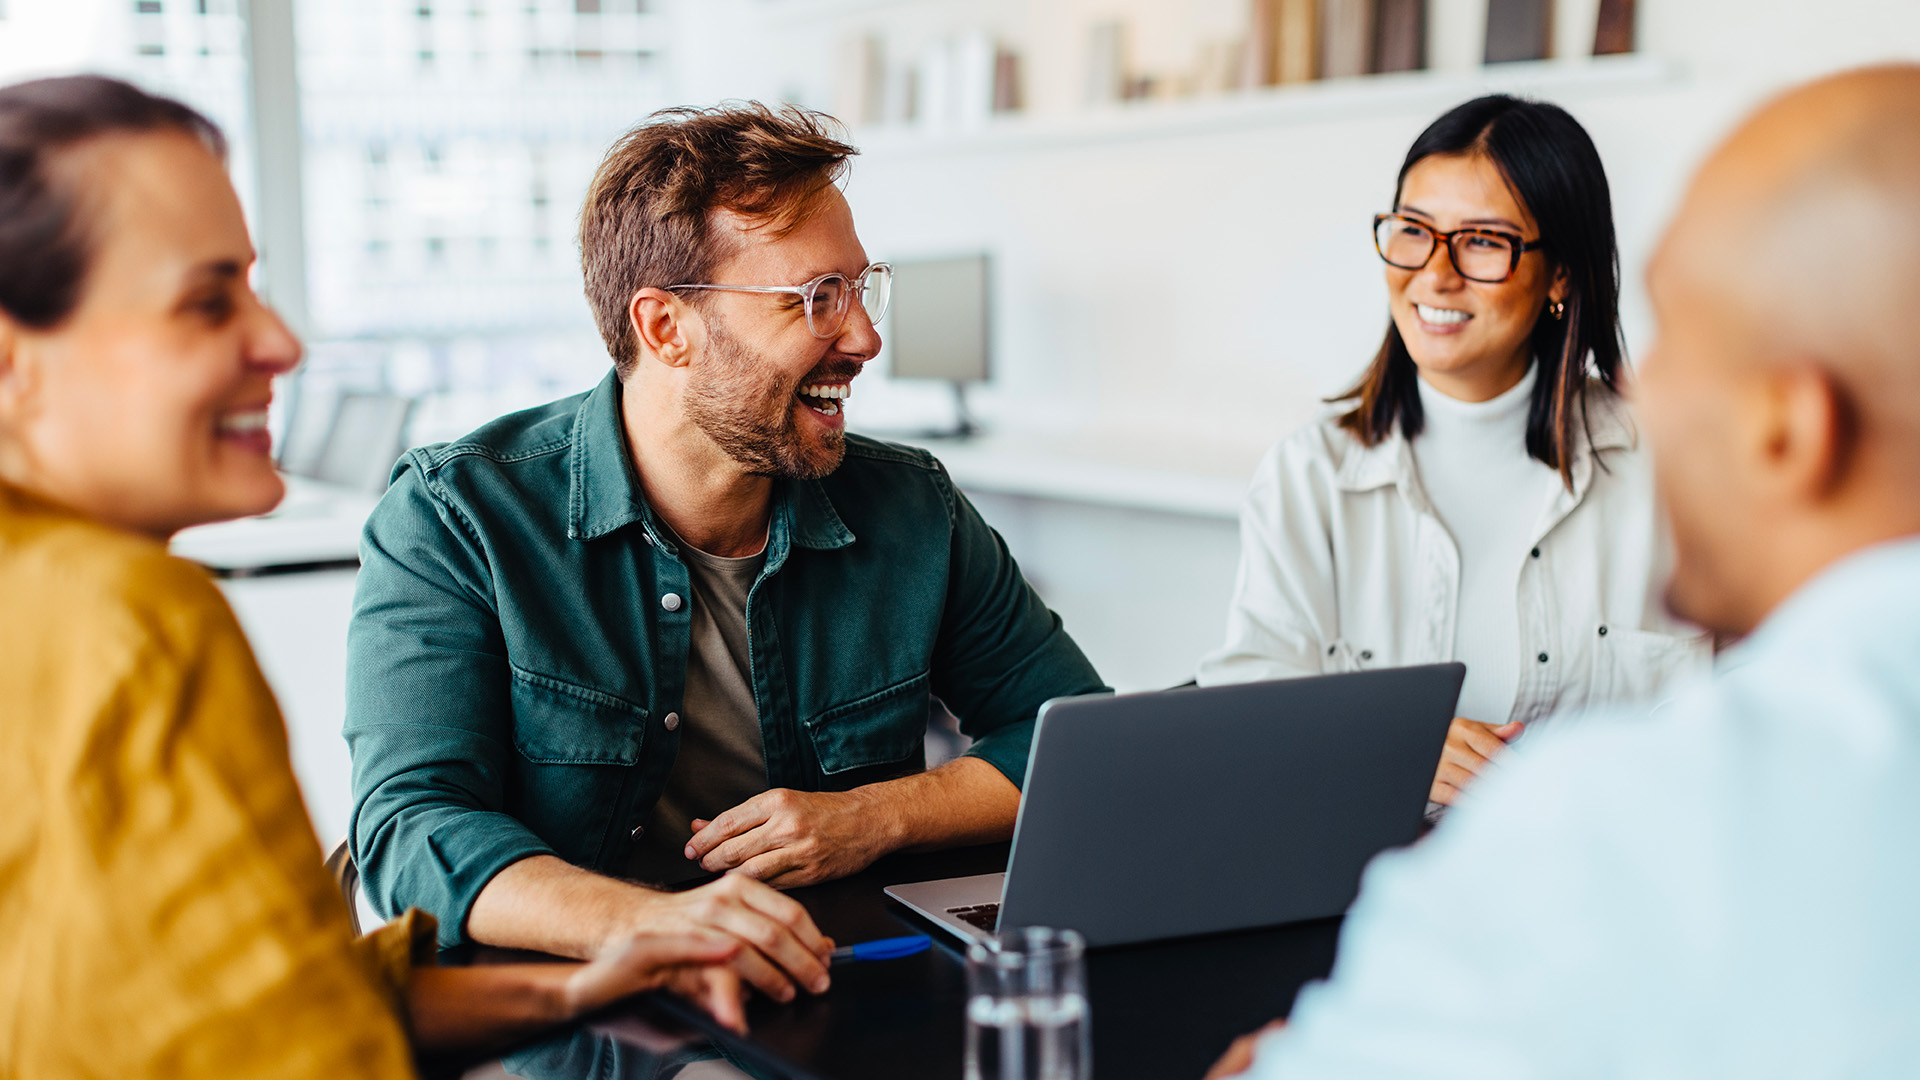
(941, 326)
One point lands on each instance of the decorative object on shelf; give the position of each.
(1400, 36)
(1614, 34)
(1518, 30)
(1346, 37)
(1107, 80)
(957, 82)
(860, 81)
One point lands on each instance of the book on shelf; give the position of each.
(1614, 34)
(1283, 42)
(1518, 30)
(1258, 64)
(1346, 37)
(1006, 81)
(1400, 36)
(1297, 40)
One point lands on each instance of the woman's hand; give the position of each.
(693, 965)
(1470, 746)
(492, 1004)
(1239, 1057)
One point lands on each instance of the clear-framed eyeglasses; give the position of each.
(829, 297)
(1484, 255)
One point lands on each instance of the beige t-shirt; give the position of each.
(722, 761)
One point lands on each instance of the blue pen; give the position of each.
(891, 948)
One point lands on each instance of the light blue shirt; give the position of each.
(1728, 888)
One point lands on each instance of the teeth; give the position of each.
(1441, 316)
(245, 423)
(836, 393)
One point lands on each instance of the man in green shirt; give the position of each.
(684, 623)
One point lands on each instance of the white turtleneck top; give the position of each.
(1491, 496)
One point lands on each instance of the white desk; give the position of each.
(1132, 539)
(1103, 469)
(316, 525)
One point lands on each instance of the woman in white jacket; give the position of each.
(1483, 495)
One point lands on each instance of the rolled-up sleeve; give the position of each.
(429, 722)
(1001, 652)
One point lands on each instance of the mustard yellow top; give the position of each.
(163, 907)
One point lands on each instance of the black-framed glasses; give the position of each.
(829, 297)
(1485, 255)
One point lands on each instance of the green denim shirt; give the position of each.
(520, 635)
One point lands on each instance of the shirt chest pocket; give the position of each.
(576, 746)
(876, 737)
(1643, 666)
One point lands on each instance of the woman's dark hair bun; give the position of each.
(45, 247)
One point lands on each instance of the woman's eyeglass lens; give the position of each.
(1478, 254)
(830, 298)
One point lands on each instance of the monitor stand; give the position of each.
(963, 427)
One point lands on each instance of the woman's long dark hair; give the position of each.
(1552, 167)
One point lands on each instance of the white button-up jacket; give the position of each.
(1345, 566)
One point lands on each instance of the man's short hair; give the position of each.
(649, 216)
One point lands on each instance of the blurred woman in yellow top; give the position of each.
(163, 908)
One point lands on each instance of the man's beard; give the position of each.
(739, 402)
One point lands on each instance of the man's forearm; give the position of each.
(965, 801)
(546, 904)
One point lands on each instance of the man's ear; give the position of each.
(663, 325)
(1809, 430)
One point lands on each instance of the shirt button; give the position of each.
(671, 601)
(1603, 631)
(1536, 553)
(672, 721)
(1366, 654)
(639, 831)
(1543, 658)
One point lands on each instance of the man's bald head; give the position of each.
(1783, 392)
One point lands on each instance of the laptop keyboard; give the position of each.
(984, 916)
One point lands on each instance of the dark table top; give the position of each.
(1159, 1011)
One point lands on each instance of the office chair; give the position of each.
(346, 875)
(367, 435)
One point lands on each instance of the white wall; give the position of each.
(1186, 279)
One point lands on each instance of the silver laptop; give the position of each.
(1194, 811)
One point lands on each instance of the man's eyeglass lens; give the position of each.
(832, 298)
(1477, 256)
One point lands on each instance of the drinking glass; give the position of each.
(1027, 1015)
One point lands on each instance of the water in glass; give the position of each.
(1027, 1015)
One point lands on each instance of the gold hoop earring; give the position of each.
(1558, 309)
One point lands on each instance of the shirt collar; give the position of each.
(604, 493)
(1390, 461)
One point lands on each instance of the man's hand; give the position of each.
(1471, 745)
(791, 838)
(1239, 1057)
(780, 945)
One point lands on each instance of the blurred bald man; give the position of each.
(1731, 888)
